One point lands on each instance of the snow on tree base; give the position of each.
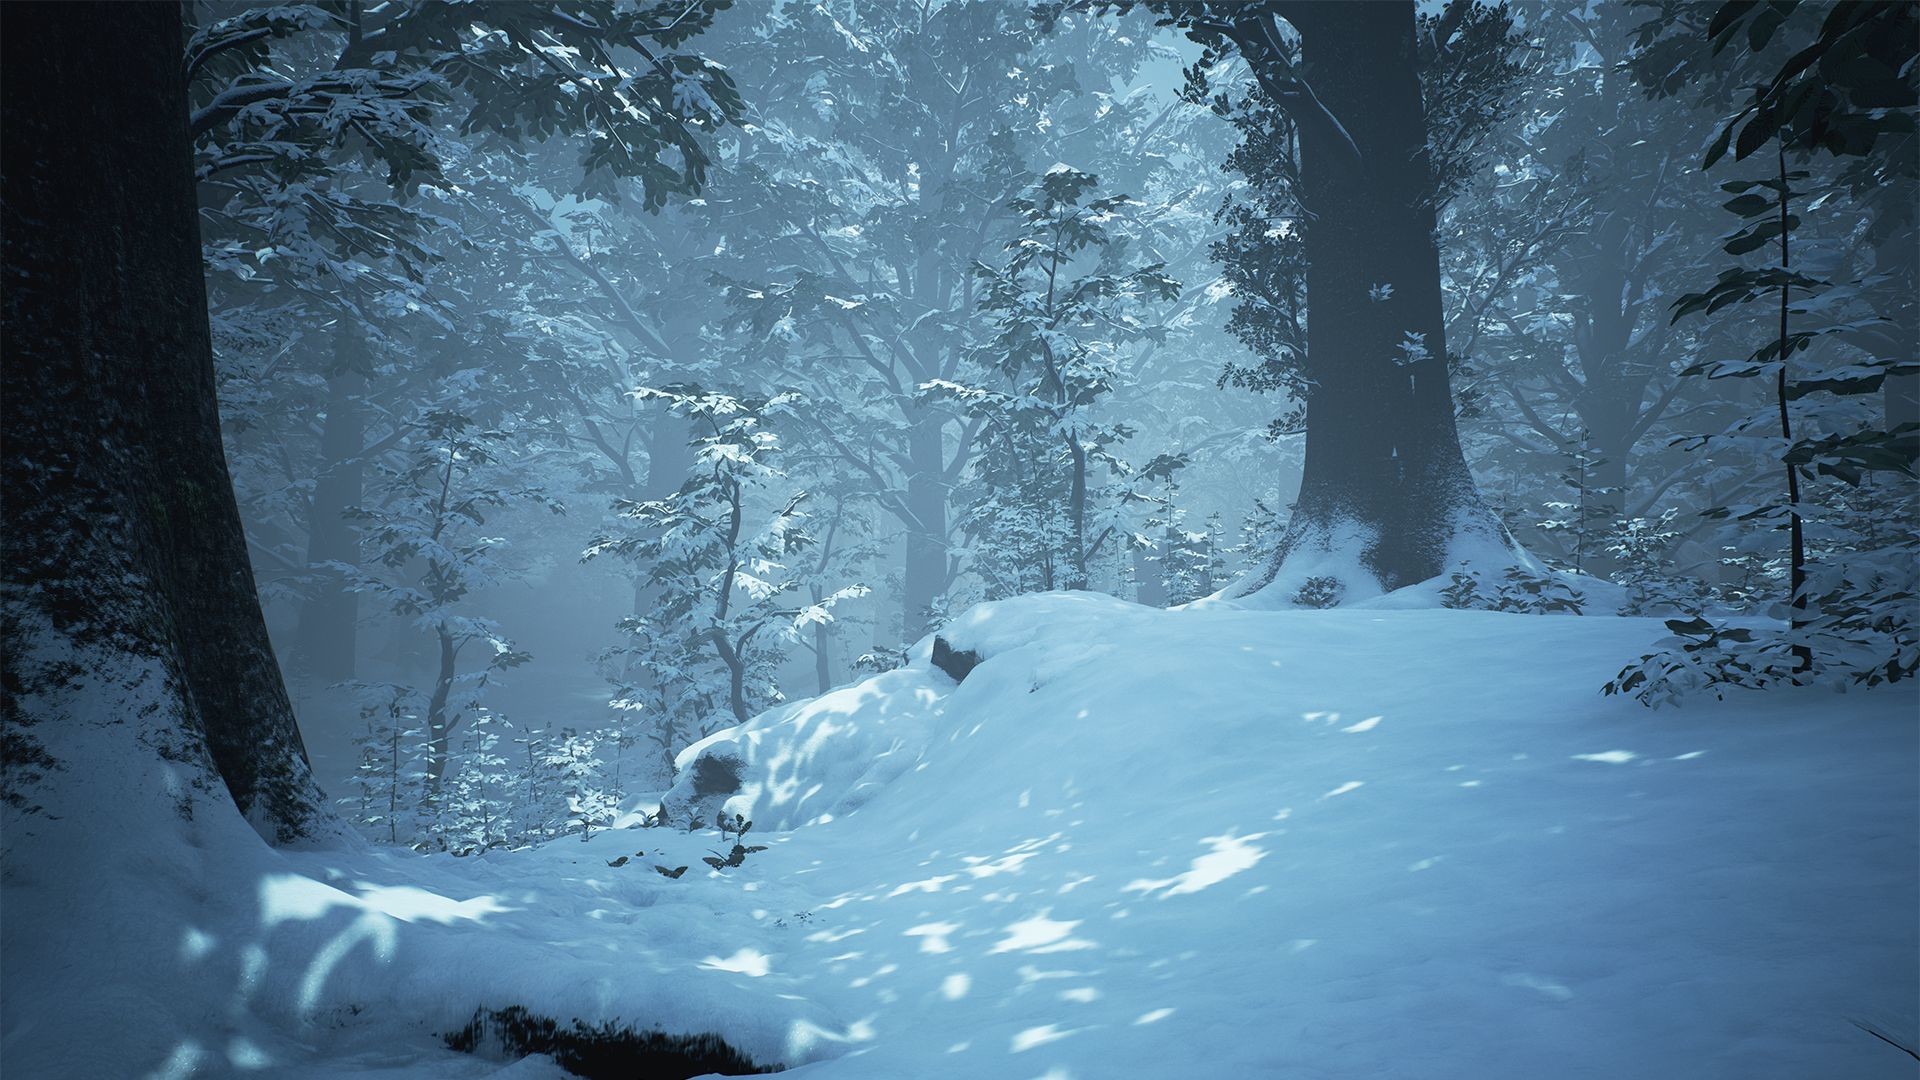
(1132, 843)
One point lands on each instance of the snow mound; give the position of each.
(1339, 843)
(1216, 842)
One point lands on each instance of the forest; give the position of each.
(1064, 539)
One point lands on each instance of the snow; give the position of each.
(1360, 842)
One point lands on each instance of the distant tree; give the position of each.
(338, 150)
(719, 553)
(1060, 311)
(428, 555)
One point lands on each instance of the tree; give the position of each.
(1053, 352)
(724, 584)
(339, 149)
(1842, 98)
(127, 575)
(1385, 495)
(425, 541)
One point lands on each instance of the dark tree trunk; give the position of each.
(1384, 481)
(441, 721)
(331, 613)
(124, 544)
(1077, 512)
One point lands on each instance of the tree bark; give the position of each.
(125, 547)
(1384, 483)
(925, 573)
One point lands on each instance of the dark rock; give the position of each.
(715, 775)
(957, 663)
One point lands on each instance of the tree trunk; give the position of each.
(440, 723)
(330, 615)
(925, 574)
(126, 565)
(1077, 511)
(1385, 499)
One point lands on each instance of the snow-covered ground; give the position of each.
(1211, 842)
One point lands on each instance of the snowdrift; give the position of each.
(1131, 843)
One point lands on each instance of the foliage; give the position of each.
(725, 608)
(1057, 328)
(1520, 590)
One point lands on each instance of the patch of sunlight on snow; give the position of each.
(1368, 724)
(1425, 864)
(1300, 945)
(1074, 884)
(195, 944)
(930, 885)
(243, 1054)
(935, 936)
(1690, 755)
(1030, 974)
(1153, 1017)
(408, 903)
(1058, 1072)
(1321, 717)
(749, 962)
(1469, 783)
(804, 1035)
(179, 1064)
(1085, 995)
(372, 927)
(959, 1048)
(955, 986)
(1351, 785)
(1230, 855)
(294, 896)
(1037, 1036)
(1546, 988)
(981, 867)
(1041, 934)
(1608, 757)
(879, 972)
(253, 968)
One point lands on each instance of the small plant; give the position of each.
(1320, 592)
(1704, 657)
(1463, 593)
(734, 830)
(1521, 591)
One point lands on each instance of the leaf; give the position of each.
(673, 873)
(1719, 147)
(621, 861)
(713, 862)
(1729, 14)
(1756, 133)
(1749, 205)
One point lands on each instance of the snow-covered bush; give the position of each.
(1642, 550)
(1520, 590)
(1319, 592)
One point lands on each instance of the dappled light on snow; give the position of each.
(750, 962)
(1229, 856)
(410, 903)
